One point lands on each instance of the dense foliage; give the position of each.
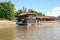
(6, 10)
(36, 12)
(29, 10)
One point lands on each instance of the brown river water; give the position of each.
(42, 31)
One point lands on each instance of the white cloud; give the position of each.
(53, 12)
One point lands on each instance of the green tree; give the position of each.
(20, 11)
(29, 10)
(36, 12)
(7, 10)
(24, 9)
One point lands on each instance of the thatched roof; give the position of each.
(25, 13)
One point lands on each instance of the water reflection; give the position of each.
(39, 32)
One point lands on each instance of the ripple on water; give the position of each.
(39, 32)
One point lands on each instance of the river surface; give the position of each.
(48, 31)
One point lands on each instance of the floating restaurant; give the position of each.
(28, 17)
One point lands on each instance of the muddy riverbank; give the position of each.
(7, 23)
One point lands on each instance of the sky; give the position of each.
(47, 7)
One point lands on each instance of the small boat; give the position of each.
(21, 23)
